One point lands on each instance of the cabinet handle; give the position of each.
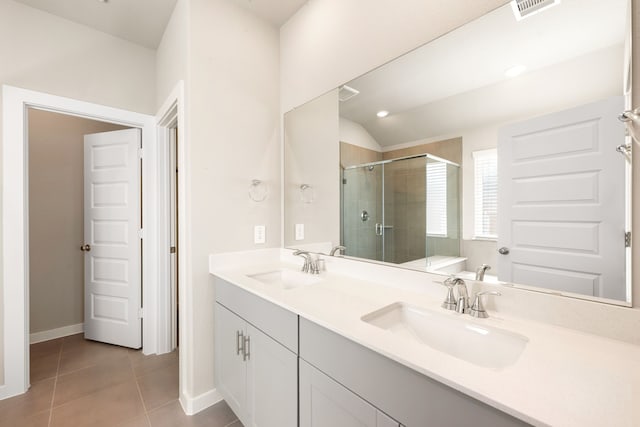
(239, 342)
(246, 348)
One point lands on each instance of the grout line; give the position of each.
(146, 412)
(55, 383)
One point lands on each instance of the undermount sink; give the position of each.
(285, 278)
(455, 335)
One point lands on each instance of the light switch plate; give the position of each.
(259, 234)
(299, 231)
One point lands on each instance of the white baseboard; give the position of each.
(52, 334)
(193, 405)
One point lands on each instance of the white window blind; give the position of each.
(436, 199)
(485, 163)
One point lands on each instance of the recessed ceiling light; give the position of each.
(514, 71)
(103, 1)
(383, 113)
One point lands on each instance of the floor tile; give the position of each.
(84, 356)
(105, 408)
(89, 380)
(45, 348)
(171, 415)
(40, 419)
(159, 387)
(44, 366)
(76, 341)
(136, 422)
(145, 364)
(37, 399)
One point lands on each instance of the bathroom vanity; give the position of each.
(365, 344)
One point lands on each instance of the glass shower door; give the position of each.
(362, 212)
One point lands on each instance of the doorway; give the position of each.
(84, 249)
(15, 219)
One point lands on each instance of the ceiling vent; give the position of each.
(525, 8)
(346, 93)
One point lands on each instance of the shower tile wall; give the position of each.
(351, 155)
(405, 198)
(449, 149)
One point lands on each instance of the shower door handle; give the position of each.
(380, 228)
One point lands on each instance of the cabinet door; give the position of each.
(230, 369)
(272, 389)
(326, 403)
(384, 421)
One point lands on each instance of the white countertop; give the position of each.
(563, 377)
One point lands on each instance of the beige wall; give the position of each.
(42, 52)
(56, 212)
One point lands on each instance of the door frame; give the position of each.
(171, 115)
(15, 220)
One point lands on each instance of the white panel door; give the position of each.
(272, 382)
(112, 248)
(561, 201)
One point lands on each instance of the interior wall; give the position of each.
(354, 134)
(312, 157)
(172, 56)
(234, 137)
(56, 214)
(42, 52)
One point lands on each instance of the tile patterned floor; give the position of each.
(78, 383)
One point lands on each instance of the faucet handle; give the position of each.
(477, 309)
(307, 260)
(450, 300)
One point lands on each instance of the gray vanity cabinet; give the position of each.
(408, 396)
(256, 361)
(326, 403)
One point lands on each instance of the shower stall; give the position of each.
(402, 211)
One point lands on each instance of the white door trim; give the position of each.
(15, 211)
(169, 116)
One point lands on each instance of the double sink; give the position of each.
(455, 335)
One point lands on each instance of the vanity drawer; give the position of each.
(275, 321)
(408, 396)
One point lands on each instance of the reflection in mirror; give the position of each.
(489, 152)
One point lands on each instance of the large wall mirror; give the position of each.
(493, 152)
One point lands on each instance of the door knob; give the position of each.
(503, 250)
(85, 248)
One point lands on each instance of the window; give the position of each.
(485, 165)
(437, 199)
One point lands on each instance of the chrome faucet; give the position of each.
(311, 264)
(338, 248)
(461, 304)
(481, 270)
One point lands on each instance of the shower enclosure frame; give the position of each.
(381, 228)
